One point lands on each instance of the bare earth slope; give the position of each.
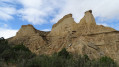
(78, 38)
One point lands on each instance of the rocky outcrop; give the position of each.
(64, 26)
(82, 38)
(87, 25)
(30, 37)
(26, 30)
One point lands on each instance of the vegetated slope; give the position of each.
(20, 56)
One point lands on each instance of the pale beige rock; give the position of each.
(87, 25)
(26, 30)
(64, 26)
(78, 38)
(30, 37)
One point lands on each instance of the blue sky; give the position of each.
(42, 14)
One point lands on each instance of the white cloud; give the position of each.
(37, 12)
(32, 15)
(104, 24)
(40, 11)
(7, 33)
(101, 8)
(46, 30)
(6, 0)
(6, 13)
(7, 10)
(3, 25)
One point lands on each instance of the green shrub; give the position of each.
(2, 39)
(106, 59)
(9, 55)
(107, 62)
(64, 54)
(38, 61)
(60, 60)
(20, 47)
(24, 55)
(17, 53)
(23, 52)
(3, 45)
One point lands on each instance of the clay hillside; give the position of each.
(82, 38)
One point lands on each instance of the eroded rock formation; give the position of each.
(84, 37)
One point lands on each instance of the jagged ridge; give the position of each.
(75, 37)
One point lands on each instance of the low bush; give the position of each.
(3, 45)
(14, 54)
(20, 47)
(64, 53)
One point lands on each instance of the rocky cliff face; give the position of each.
(30, 37)
(63, 26)
(84, 37)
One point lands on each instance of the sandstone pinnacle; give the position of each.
(60, 21)
(26, 30)
(63, 26)
(89, 18)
